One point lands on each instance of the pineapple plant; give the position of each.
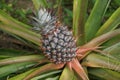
(89, 52)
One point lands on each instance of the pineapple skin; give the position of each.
(59, 44)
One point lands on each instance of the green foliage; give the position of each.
(94, 20)
(11, 8)
(111, 23)
(17, 27)
(40, 3)
(67, 74)
(6, 70)
(103, 74)
(95, 24)
(79, 15)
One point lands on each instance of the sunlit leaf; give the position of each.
(5, 70)
(104, 74)
(28, 58)
(112, 41)
(111, 23)
(12, 52)
(94, 21)
(103, 38)
(67, 74)
(113, 50)
(96, 60)
(42, 69)
(49, 74)
(79, 15)
(22, 75)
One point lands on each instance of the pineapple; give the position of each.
(57, 41)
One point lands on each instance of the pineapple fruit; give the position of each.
(58, 42)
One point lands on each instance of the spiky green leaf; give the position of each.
(111, 23)
(94, 20)
(79, 15)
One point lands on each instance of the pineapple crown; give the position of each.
(44, 21)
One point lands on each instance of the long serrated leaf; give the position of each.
(79, 69)
(21, 33)
(113, 50)
(111, 23)
(22, 75)
(103, 38)
(99, 41)
(46, 75)
(13, 52)
(6, 70)
(28, 58)
(54, 78)
(79, 14)
(9, 20)
(104, 74)
(45, 68)
(67, 74)
(7, 53)
(112, 41)
(10, 25)
(96, 60)
(94, 20)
